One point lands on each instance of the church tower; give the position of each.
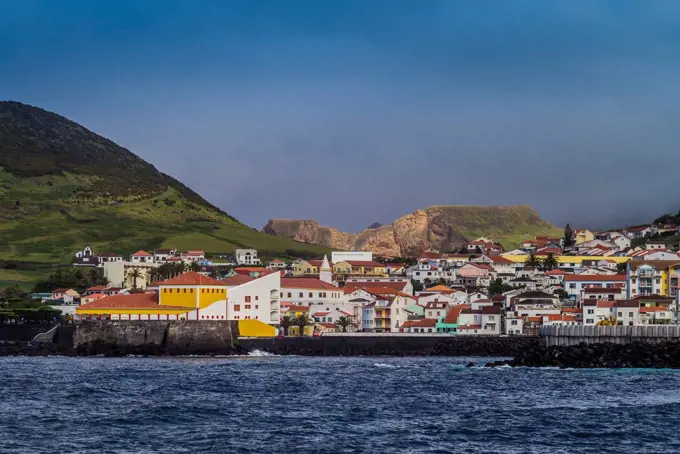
(326, 272)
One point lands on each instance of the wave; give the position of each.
(260, 353)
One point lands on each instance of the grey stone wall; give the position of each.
(575, 335)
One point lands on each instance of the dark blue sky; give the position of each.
(352, 112)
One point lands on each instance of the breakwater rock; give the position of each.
(391, 345)
(604, 355)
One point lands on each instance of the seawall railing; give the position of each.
(574, 335)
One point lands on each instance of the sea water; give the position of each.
(263, 404)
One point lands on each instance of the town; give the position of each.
(622, 278)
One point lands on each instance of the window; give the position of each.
(572, 285)
(591, 311)
(289, 295)
(589, 320)
(492, 317)
(247, 306)
(165, 290)
(257, 297)
(620, 314)
(302, 295)
(247, 299)
(311, 294)
(185, 290)
(191, 290)
(237, 307)
(257, 307)
(513, 322)
(630, 314)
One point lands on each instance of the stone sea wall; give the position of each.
(150, 337)
(564, 336)
(391, 345)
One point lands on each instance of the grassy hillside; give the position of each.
(508, 225)
(62, 186)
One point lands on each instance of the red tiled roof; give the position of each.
(237, 280)
(96, 288)
(132, 301)
(595, 278)
(364, 263)
(192, 278)
(95, 295)
(454, 312)
(141, 253)
(196, 252)
(422, 323)
(609, 304)
(499, 259)
(369, 286)
(653, 309)
(560, 317)
(307, 283)
(534, 319)
(294, 308)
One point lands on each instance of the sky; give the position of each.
(354, 112)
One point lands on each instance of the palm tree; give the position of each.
(302, 321)
(177, 269)
(344, 322)
(93, 276)
(164, 271)
(134, 274)
(550, 262)
(532, 261)
(193, 266)
(286, 322)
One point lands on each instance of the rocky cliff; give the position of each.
(441, 228)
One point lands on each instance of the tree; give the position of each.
(532, 261)
(344, 322)
(286, 322)
(302, 321)
(622, 268)
(550, 262)
(569, 239)
(498, 287)
(14, 294)
(561, 293)
(134, 274)
(193, 266)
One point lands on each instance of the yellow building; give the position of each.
(306, 267)
(189, 296)
(346, 268)
(583, 236)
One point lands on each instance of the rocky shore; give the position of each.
(605, 355)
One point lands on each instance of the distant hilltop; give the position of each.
(438, 228)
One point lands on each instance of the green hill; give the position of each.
(63, 186)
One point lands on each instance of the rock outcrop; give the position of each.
(440, 228)
(605, 355)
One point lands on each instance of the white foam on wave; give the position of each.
(260, 353)
(386, 365)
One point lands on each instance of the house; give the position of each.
(514, 325)
(86, 257)
(332, 316)
(276, 265)
(195, 255)
(560, 320)
(582, 236)
(246, 257)
(436, 309)
(309, 268)
(342, 270)
(162, 255)
(648, 277)
(67, 295)
(535, 298)
(484, 321)
(141, 257)
(575, 283)
(252, 271)
(627, 313)
(596, 311)
(636, 232)
(603, 293)
(425, 325)
(85, 299)
(252, 298)
(423, 273)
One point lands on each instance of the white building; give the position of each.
(246, 257)
(514, 325)
(595, 311)
(141, 257)
(257, 298)
(342, 256)
(162, 255)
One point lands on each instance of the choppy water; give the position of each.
(329, 405)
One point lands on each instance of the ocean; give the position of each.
(271, 404)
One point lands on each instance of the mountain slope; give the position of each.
(63, 186)
(442, 228)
